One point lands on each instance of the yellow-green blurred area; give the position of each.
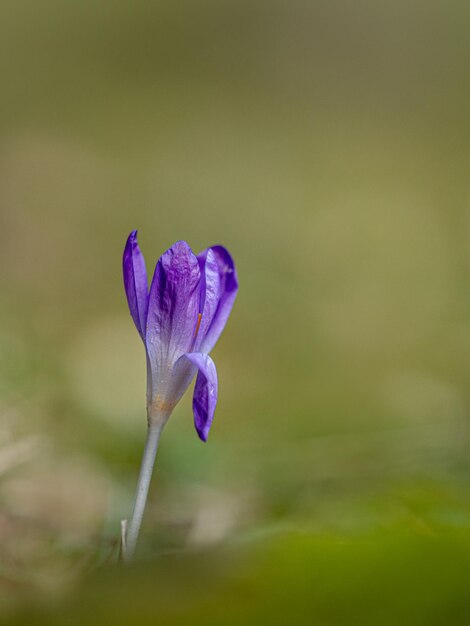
(326, 144)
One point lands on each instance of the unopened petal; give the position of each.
(173, 305)
(210, 293)
(135, 282)
(224, 284)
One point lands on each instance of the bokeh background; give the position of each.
(327, 145)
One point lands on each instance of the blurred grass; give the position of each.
(326, 144)
(402, 578)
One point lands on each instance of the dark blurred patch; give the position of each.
(400, 578)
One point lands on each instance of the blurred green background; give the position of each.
(327, 145)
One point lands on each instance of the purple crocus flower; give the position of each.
(180, 320)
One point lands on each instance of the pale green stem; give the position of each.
(146, 469)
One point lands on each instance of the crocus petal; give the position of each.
(135, 282)
(173, 306)
(225, 286)
(205, 392)
(210, 290)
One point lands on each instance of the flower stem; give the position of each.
(148, 460)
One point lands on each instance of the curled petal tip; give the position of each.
(205, 393)
(203, 436)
